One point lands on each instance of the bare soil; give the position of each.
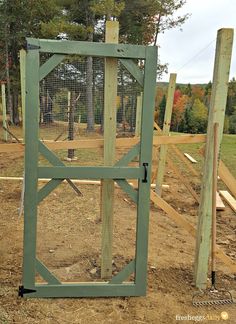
(69, 240)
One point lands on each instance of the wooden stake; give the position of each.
(107, 187)
(4, 112)
(138, 115)
(166, 129)
(216, 115)
(71, 116)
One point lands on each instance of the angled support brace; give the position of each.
(55, 161)
(48, 188)
(131, 192)
(49, 65)
(124, 273)
(45, 273)
(133, 69)
(129, 156)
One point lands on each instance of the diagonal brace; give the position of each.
(55, 161)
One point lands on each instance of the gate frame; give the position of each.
(58, 172)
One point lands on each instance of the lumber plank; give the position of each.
(99, 143)
(107, 186)
(216, 114)
(227, 177)
(179, 139)
(219, 203)
(229, 199)
(183, 179)
(138, 115)
(190, 158)
(11, 148)
(166, 129)
(183, 223)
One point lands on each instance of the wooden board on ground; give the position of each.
(219, 203)
(229, 198)
(188, 156)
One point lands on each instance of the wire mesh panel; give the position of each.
(72, 99)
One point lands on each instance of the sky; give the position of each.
(190, 53)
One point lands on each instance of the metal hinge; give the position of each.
(29, 47)
(145, 165)
(23, 291)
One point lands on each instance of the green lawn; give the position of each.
(227, 152)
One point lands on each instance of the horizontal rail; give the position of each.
(98, 143)
(98, 172)
(87, 48)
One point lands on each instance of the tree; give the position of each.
(179, 108)
(198, 117)
(87, 16)
(231, 98)
(232, 124)
(142, 21)
(19, 19)
(162, 107)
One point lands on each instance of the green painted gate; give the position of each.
(120, 172)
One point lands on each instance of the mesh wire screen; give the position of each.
(72, 99)
(71, 108)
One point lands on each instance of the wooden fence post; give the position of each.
(216, 115)
(166, 129)
(138, 115)
(4, 111)
(107, 187)
(22, 83)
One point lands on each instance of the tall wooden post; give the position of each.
(166, 129)
(4, 111)
(22, 83)
(216, 115)
(107, 187)
(138, 115)
(71, 117)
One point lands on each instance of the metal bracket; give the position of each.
(23, 291)
(145, 165)
(29, 47)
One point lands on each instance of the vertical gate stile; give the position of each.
(145, 157)
(31, 163)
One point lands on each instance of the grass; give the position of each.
(227, 152)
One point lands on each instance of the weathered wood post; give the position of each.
(107, 187)
(166, 129)
(4, 111)
(138, 115)
(22, 83)
(216, 115)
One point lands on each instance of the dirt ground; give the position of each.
(69, 235)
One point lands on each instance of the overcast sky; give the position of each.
(190, 52)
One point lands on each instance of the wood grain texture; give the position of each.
(229, 199)
(216, 115)
(107, 187)
(166, 129)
